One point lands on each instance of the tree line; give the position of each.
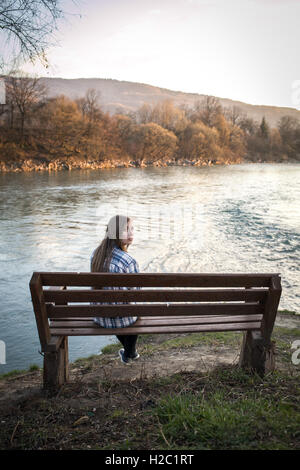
(35, 126)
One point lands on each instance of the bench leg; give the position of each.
(56, 367)
(256, 354)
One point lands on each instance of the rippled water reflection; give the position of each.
(239, 218)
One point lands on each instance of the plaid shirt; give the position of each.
(121, 262)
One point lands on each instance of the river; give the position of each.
(235, 218)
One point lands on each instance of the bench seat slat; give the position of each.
(186, 318)
(243, 326)
(150, 321)
(166, 319)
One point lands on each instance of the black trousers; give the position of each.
(128, 342)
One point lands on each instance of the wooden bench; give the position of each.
(164, 303)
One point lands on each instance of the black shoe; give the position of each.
(135, 357)
(124, 359)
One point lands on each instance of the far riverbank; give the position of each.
(74, 163)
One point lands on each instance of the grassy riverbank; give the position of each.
(185, 392)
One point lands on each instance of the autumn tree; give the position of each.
(144, 114)
(169, 116)
(124, 135)
(151, 142)
(62, 126)
(199, 142)
(230, 138)
(165, 114)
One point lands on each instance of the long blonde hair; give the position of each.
(102, 255)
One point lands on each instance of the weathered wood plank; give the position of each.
(56, 366)
(270, 308)
(256, 353)
(156, 279)
(243, 326)
(39, 308)
(158, 295)
(53, 344)
(164, 319)
(150, 321)
(152, 318)
(153, 310)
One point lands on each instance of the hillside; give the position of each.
(118, 95)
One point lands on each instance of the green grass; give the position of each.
(110, 348)
(238, 411)
(218, 423)
(209, 339)
(284, 337)
(286, 332)
(287, 312)
(16, 372)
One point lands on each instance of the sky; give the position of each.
(246, 50)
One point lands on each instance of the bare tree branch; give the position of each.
(28, 26)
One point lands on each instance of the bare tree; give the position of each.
(233, 115)
(248, 125)
(287, 126)
(89, 105)
(90, 110)
(23, 92)
(28, 25)
(143, 114)
(207, 110)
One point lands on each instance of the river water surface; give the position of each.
(237, 218)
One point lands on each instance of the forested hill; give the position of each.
(58, 124)
(121, 96)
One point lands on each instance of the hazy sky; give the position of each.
(246, 50)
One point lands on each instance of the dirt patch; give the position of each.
(162, 364)
(108, 368)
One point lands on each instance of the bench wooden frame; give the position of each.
(164, 303)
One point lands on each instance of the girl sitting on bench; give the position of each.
(112, 256)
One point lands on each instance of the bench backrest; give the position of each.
(57, 295)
